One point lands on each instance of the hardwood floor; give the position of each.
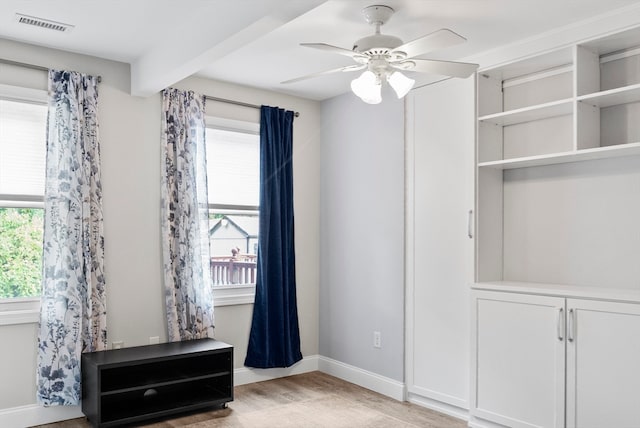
(310, 400)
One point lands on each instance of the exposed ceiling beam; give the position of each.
(198, 46)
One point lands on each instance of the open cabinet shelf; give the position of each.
(624, 95)
(619, 150)
(558, 153)
(530, 113)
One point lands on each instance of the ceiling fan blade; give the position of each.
(334, 49)
(444, 68)
(437, 40)
(322, 73)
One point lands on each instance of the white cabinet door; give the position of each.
(603, 364)
(440, 194)
(519, 343)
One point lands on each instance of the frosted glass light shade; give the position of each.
(368, 88)
(400, 83)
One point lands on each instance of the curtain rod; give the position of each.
(240, 103)
(32, 66)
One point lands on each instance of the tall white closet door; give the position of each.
(603, 356)
(440, 247)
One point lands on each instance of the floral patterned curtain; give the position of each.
(185, 217)
(73, 308)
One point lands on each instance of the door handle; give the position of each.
(572, 326)
(561, 324)
(470, 225)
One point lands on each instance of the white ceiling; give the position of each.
(256, 42)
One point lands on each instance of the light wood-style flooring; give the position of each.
(310, 400)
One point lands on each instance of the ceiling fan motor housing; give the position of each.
(377, 44)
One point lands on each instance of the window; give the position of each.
(23, 118)
(233, 177)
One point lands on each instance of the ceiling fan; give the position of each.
(383, 57)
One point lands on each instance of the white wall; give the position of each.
(362, 233)
(558, 226)
(130, 144)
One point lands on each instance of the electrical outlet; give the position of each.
(117, 345)
(377, 340)
(153, 340)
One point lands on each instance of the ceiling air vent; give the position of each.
(43, 23)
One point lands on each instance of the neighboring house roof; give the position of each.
(247, 225)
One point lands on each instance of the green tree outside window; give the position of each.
(20, 252)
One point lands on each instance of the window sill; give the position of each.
(19, 311)
(27, 311)
(227, 295)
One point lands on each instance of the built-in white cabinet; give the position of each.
(518, 375)
(440, 137)
(555, 308)
(532, 351)
(603, 359)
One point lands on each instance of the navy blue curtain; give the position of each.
(274, 340)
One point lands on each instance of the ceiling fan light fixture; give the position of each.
(386, 57)
(368, 87)
(400, 83)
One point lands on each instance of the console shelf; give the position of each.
(129, 385)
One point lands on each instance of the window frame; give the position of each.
(242, 294)
(21, 310)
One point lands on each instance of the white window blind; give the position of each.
(233, 167)
(22, 148)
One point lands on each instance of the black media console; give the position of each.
(129, 385)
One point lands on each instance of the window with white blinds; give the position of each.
(23, 127)
(233, 179)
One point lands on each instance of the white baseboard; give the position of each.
(380, 384)
(246, 375)
(34, 414)
(439, 406)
